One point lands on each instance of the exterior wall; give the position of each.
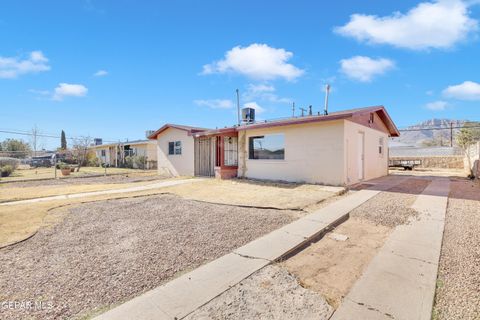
(375, 164)
(178, 164)
(108, 157)
(450, 162)
(313, 154)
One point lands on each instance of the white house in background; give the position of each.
(341, 148)
(114, 153)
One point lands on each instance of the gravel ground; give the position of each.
(123, 178)
(458, 285)
(392, 208)
(271, 293)
(107, 252)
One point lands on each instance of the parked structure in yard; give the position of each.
(114, 154)
(340, 148)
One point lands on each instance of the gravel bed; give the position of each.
(458, 284)
(393, 207)
(271, 293)
(108, 252)
(123, 178)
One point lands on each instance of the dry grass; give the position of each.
(49, 173)
(253, 193)
(22, 193)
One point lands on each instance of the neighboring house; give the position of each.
(341, 148)
(114, 154)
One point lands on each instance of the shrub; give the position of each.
(6, 170)
(6, 161)
(135, 162)
(62, 165)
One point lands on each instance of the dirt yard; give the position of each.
(331, 267)
(107, 252)
(458, 284)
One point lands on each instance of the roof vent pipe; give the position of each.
(327, 91)
(238, 107)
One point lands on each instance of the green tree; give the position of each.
(63, 141)
(15, 148)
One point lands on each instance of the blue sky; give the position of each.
(113, 69)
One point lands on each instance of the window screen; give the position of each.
(267, 147)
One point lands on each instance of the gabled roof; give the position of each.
(189, 129)
(337, 115)
(345, 114)
(133, 142)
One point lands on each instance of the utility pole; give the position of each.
(451, 134)
(293, 109)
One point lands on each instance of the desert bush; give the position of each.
(62, 165)
(6, 170)
(4, 161)
(135, 162)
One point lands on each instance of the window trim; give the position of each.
(251, 151)
(175, 148)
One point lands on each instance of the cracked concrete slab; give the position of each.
(400, 281)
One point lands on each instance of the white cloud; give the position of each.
(100, 73)
(12, 67)
(39, 92)
(364, 68)
(257, 61)
(467, 90)
(254, 105)
(258, 88)
(263, 92)
(437, 105)
(69, 90)
(439, 24)
(215, 103)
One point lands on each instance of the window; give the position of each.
(175, 147)
(103, 153)
(271, 147)
(380, 146)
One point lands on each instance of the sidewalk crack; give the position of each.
(250, 257)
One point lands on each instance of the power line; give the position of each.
(24, 133)
(439, 128)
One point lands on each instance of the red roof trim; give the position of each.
(189, 130)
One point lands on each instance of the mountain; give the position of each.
(420, 134)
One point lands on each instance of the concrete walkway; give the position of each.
(185, 294)
(152, 186)
(400, 281)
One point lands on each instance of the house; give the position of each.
(341, 148)
(114, 154)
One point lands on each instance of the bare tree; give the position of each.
(34, 140)
(80, 150)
